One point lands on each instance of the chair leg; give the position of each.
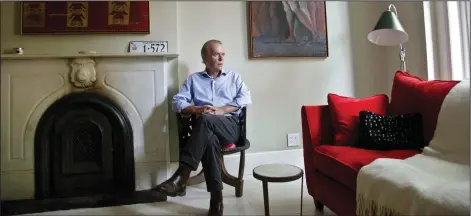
(240, 189)
(228, 178)
(197, 179)
(237, 183)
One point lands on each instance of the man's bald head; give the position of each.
(204, 49)
(213, 54)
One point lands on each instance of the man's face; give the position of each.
(215, 57)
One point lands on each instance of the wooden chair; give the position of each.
(185, 124)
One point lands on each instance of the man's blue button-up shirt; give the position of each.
(223, 90)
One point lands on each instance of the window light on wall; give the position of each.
(447, 32)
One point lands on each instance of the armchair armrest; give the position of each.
(316, 126)
(316, 130)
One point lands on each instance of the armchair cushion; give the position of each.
(343, 163)
(345, 111)
(411, 94)
(228, 147)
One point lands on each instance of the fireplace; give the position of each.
(79, 131)
(83, 146)
(83, 131)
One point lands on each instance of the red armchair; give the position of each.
(331, 170)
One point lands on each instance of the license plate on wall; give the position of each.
(148, 46)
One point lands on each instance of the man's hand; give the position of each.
(207, 109)
(215, 110)
(197, 110)
(221, 110)
(200, 110)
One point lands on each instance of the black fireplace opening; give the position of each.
(84, 158)
(83, 147)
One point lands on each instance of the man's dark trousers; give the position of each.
(204, 145)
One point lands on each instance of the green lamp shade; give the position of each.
(388, 31)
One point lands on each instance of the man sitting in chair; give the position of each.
(218, 96)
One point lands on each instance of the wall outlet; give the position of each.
(293, 139)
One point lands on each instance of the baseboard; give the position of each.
(18, 185)
(252, 160)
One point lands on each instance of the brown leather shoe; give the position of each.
(216, 209)
(175, 185)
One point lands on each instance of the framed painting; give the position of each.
(287, 29)
(72, 17)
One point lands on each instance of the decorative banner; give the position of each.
(77, 14)
(71, 17)
(118, 13)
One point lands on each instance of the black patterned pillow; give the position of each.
(380, 132)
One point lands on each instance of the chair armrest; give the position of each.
(184, 115)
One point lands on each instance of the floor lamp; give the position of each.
(389, 32)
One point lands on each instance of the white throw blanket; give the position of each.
(435, 182)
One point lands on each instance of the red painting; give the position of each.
(67, 17)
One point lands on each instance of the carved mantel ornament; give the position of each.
(83, 73)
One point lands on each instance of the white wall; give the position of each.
(280, 87)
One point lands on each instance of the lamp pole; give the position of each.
(402, 53)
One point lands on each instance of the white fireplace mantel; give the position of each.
(138, 82)
(87, 55)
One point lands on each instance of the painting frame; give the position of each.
(250, 35)
(48, 30)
